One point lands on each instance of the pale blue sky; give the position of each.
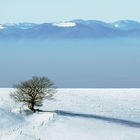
(59, 10)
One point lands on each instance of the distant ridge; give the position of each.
(71, 29)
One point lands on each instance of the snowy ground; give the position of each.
(84, 114)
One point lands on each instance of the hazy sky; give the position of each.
(59, 10)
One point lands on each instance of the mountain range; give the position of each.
(71, 29)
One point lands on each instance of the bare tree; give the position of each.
(33, 92)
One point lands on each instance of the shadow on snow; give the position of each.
(92, 116)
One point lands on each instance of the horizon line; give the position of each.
(70, 20)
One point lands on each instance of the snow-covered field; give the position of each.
(74, 114)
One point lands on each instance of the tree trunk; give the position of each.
(31, 107)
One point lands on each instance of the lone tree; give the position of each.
(33, 92)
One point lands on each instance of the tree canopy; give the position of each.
(33, 92)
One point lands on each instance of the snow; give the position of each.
(65, 24)
(18, 25)
(116, 25)
(1, 27)
(85, 114)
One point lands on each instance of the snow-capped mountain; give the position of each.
(17, 25)
(126, 25)
(64, 24)
(71, 29)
